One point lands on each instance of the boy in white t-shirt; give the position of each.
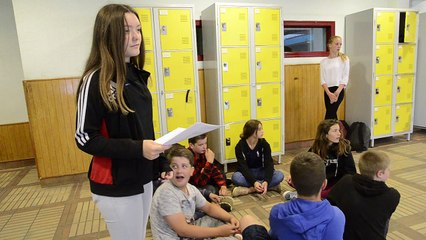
(175, 201)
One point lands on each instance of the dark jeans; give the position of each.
(331, 108)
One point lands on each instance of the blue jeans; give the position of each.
(259, 175)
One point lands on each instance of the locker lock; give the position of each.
(224, 27)
(398, 89)
(378, 27)
(226, 103)
(397, 119)
(408, 27)
(259, 102)
(377, 91)
(167, 72)
(163, 30)
(259, 65)
(376, 121)
(228, 141)
(399, 58)
(169, 112)
(377, 60)
(257, 27)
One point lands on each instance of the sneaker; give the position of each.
(226, 203)
(276, 188)
(238, 191)
(288, 195)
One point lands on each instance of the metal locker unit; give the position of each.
(382, 44)
(420, 96)
(169, 36)
(243, 69)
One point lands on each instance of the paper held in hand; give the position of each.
(180, 134)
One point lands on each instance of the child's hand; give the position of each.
(265, 187)
(233, 221)
(166, 176)
(214, 198)
(258, 187)
(226, 230)
(209, 155)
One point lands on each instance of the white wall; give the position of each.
(12, 100)
(54, 36)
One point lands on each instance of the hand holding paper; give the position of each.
(180, 134)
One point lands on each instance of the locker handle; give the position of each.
(259, 102)
(378, 27)
(259, 65)
(376, 121)
(163, 30)
(187, 95)
(224, 27)
(408, 27)
(398, 89)
(377, 60)
(397, 119)
(399, 58)
(295, 78)
(377, 91)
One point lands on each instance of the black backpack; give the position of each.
(359, 136)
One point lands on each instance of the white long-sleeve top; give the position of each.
(334, 71)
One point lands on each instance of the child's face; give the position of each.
(200, 146)
(259, 133)
(335, 45)
(333, 134)
(182, 171)
(132, 41)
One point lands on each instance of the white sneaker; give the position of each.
(288, 195)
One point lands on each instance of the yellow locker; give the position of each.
(235, 66)
(404, 88)
(402, 117)
(383, 91)
(146, 24)
(233, 26)
(268, 101)
(406, 58)
(385, 27)
(178, 70)
(236, 104)
(155, 113)
(384, 59)
(150, 67)
(382, 120)
(175, 29)
(267, 24)
(410, 27)
(232, 136)
(180, 110)
(272, 129)
(268, 64)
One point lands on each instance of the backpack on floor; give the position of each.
(359, 136)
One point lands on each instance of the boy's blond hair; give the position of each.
(373, 161)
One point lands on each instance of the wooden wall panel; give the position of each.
(51, 111)
(304, 102)
(15, 142)
(202, 95)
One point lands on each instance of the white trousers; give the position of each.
(126, 217)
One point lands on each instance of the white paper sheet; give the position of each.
(180, 134)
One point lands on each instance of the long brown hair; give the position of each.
(321, 142)
(330, 41)
(107, 54)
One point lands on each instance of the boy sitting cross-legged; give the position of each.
(175, 201)
(365, 199)
(307, 216)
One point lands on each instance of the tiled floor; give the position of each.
(30, 210)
